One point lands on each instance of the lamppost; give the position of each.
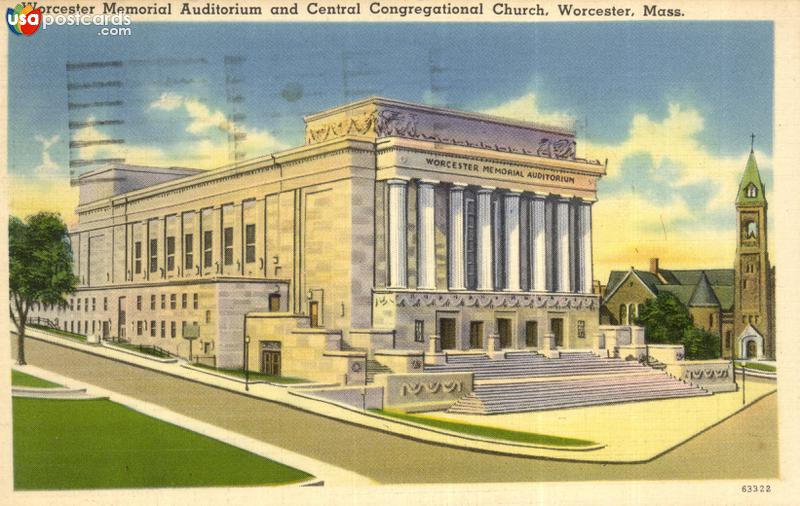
(245, 364)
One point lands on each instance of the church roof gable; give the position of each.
(703, 294)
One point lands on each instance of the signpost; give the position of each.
(191, 331)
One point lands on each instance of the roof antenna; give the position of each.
(752, 141)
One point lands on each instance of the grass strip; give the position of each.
(89, 444)
(758, 367)
(58, 331)
(238, 373)
(21, 379)
(486, 431)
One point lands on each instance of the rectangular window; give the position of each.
(208, 316)
(183, 327)
(170, 253)
(94, 304)
(138, 327)
(153, 255)
(137, 257)
(581, 329)
(208, 245)
(152, 302)
(163, 328)
(419, 331)
(173, 300)
(172, 330)
(152, 328)
(163, 301)
(188, 251)
(184, 300)
(86, 304)
(105, 303)
(79, 304)
(250, 243)
(196, 301)
(93, 326)
(71, 304)
(227, 241)
(79, 327)
(138, 302)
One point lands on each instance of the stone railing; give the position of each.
(711, 375)
(424, 390)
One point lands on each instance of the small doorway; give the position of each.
(313, 313)
(531, 334)
(557, 328)
(476, 335)
(752, 349)
(274, 303)
(504, 331)
(105, 330)
(271, 362)
(121, 318)
(447, 333)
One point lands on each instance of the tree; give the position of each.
(699, 344)
(665, 319)
(40, 267)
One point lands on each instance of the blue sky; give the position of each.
(672, 104)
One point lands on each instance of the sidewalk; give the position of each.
(689, 418)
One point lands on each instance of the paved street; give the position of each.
(388, 458)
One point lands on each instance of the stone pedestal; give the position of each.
(548, 348)
(493, 346)
(434, 355)
(600, 345)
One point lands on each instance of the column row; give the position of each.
(486, 244)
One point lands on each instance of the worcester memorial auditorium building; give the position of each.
(394, 225)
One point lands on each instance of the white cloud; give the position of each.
(526, 108)
(48, 165)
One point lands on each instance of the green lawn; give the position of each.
(254, 376)
(99, 444)
(59, 332)
(484, 431)
(757, 366)
(20, 379)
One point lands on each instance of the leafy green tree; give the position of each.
(40, 267)
(665, 319)
(700, 344)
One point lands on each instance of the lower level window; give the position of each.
(581, 329)
(419, 331)
(172, 329)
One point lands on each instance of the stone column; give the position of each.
(426, 265)
(585, 248)
(397, 233)
(511, 206)
(484, 233)
(562, 240)
(538, 250)
(456, 238)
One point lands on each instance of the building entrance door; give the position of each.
(447, 333)
(476, 335)
(752, 350)
(105, 330)
(504, 331)
(271, 362)
(313, 312)
(121, 318)
(557, 328)
(531, 333)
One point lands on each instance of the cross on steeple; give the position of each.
(752, 141)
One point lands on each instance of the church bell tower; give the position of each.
(753, 322)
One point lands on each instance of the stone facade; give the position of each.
(393, 223)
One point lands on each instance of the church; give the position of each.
(738, 304)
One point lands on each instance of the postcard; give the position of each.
(457, 252)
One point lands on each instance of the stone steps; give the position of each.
(374, 367)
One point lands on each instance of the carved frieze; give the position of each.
(489, 300)
(430, 387)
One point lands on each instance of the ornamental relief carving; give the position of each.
(415, 299)
(392, 122)
(708, 374)
(430, 387)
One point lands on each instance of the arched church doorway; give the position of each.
(752, 350)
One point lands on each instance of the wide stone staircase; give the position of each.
(374, 367)
(526, 381)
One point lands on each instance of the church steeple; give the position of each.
(751, 189)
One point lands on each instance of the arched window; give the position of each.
(752, 191)
(751, 230)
